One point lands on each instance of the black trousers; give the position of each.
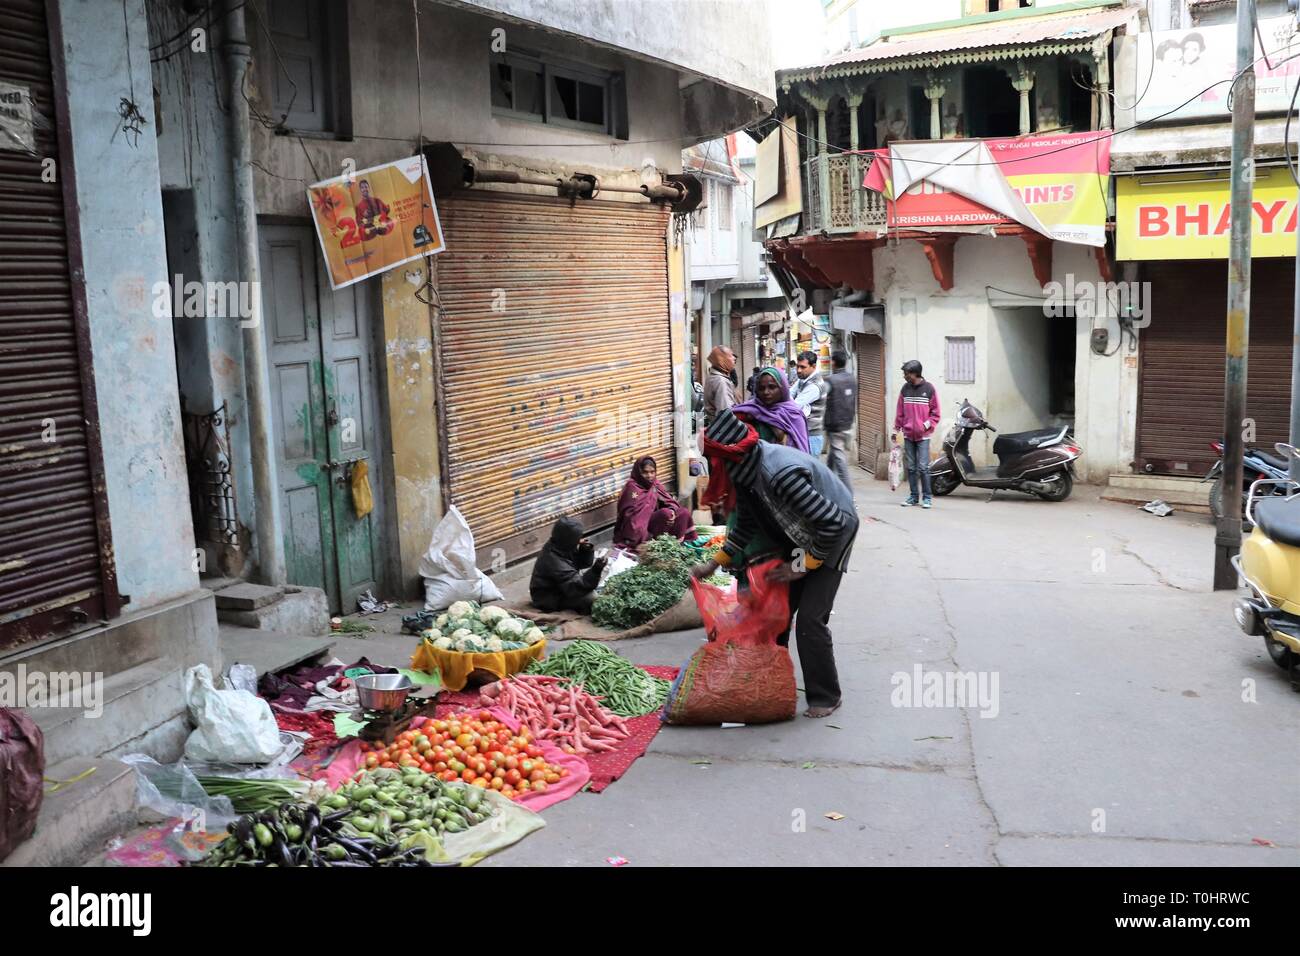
(811, 600)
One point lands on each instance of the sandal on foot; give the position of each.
(819, 712)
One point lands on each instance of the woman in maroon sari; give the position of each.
(646, 509)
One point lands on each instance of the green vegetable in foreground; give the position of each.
(623, 688)
(642, 593)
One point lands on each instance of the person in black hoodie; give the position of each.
(565, 576)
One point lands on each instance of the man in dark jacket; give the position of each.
(796, 499)
(565, 576)
(841, 412)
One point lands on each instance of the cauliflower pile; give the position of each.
(470, 629)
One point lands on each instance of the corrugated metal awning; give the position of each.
(1036, 36)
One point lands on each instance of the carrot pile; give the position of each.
(561, 712)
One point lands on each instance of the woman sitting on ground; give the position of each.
(565, 576)
(647, 510)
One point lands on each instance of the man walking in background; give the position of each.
(809, 393)
(841, 413)
(916, 417)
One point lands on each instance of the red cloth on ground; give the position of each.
(609, 766)
(605, 767)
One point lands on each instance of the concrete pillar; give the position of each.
(1022, 79)
(934, 90)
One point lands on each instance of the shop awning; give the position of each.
(1013, 39)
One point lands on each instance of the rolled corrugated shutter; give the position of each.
(871, 399)
(1180, 410)
(555, 358)
(55, 572)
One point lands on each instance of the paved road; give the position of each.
(1120, 735)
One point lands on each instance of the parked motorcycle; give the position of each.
(1256, 463)
(1036, 462)
(1269, 563)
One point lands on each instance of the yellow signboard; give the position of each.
(372, 220)
(1187, 216)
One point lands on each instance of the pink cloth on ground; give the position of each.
(351, 757)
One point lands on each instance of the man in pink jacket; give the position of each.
(917, 417)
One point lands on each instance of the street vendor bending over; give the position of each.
(798, 500)
(565, 576)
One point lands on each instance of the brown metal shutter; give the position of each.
(56, 570)
(1180, 410)
(555, 359)
(871, 399)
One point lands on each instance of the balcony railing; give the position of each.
(834, 199)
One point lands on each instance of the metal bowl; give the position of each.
(386, 692)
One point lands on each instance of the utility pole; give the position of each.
(1227, 538)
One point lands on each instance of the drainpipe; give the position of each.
(257, 389)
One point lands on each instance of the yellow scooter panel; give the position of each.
(1275, 568)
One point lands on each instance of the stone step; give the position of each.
(76, 819)
(141, 708)
(268, 651)
(1157, 484)
(298, 611)
(247, 597)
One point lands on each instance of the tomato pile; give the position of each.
(473, 747)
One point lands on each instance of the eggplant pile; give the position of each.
(296, 834)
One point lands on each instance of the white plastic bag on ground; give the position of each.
(617, 562)
(230, 725)
(448, 567)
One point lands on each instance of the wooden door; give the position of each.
(325, 417)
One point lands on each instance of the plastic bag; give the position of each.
(748, 617)
(22, 769)
(230, 725)
(174, 791)
(618, 562)
(742, 675)
(241, 677)
(895, 466)
(448, 567)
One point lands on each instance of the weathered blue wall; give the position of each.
(194, 156)
(118, 192)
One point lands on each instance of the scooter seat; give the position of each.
(1018, 443)
(1279, 518)
(1277, 461)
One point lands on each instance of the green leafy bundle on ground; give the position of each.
(642, 593)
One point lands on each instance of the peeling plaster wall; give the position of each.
(118, 191)
(412, 409)
(455, 51)
(920, 316)
(197, 175)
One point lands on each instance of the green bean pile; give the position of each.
(623, 688)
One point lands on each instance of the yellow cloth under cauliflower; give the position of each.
(456, 666)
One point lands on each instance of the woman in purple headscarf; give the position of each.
(771, 411)
(646, 509)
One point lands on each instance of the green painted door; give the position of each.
(325, 416)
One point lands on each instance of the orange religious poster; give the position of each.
(374, 219)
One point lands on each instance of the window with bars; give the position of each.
(959, 360)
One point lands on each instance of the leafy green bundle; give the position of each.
(644, 592)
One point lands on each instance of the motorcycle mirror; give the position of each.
(1287, 451)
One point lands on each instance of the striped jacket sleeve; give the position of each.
(819, 514)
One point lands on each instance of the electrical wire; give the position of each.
(1286, 138)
